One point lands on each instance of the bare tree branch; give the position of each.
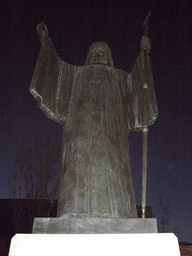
(35, 172)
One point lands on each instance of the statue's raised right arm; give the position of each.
(43, 32)
(52, 79)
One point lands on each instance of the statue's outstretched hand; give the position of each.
(145, 43)
(43, 32)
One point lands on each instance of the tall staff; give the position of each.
(145, 127)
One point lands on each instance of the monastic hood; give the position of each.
(105, 48)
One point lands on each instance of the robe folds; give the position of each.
(98, 106)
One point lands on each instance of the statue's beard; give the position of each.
(97, 59)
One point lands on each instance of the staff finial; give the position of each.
(145, 23)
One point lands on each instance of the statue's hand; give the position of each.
(145, 43)
(43, 32)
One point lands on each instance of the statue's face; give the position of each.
(98, 55)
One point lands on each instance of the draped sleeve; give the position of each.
(140, 99)
(52, 83)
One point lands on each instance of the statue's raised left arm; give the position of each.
(141, 93)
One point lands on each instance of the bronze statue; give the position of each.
(98, 105)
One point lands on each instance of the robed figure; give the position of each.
(98, 106)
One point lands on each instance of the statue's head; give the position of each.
(99, 53)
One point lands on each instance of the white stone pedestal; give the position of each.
(158, 244)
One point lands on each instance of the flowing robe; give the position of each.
(98, 106)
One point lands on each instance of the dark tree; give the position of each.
(35, 175)
(163, 214)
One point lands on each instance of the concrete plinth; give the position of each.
(94, 244)
(68, 224)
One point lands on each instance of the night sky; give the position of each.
(73, 27)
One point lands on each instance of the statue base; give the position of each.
(94, 244)
(71, 224)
